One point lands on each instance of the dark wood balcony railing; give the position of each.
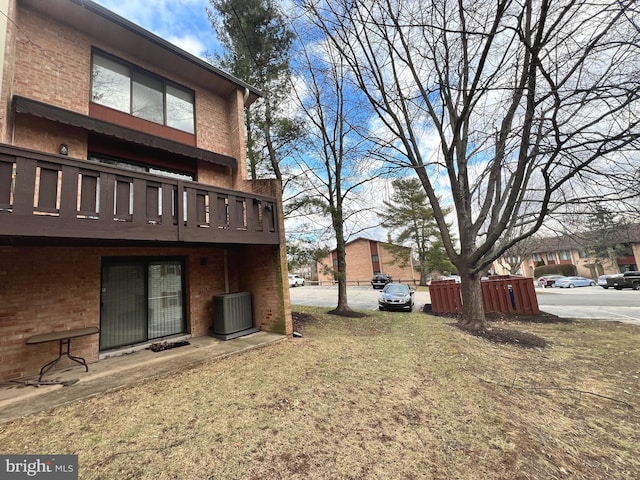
(45, 195)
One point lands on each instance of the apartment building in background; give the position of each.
(577, 250)
(365, 258)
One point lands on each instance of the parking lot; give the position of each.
(591, 302)
(360, 298)
(585, 302)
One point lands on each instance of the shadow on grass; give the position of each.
(347, 313)
(507, 336)
(502, 335)
(492, 333)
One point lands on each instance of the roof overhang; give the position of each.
(110, 29)
(66, 117)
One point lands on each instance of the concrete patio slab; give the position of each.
(25, 396)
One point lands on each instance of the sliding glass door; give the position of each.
(141, 300)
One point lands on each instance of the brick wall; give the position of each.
(399, 273)
(215, 175)
(46, 136)
(8, 67)
(266, 272)
(53, 65)
(257, 263)
(360, 265)
(43, 289)
(213, 127)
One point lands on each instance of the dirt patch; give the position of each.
(301, 319)
(509, 336)
(347, 313)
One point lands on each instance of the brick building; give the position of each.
(124, 199)
(365, 258)
(577, 250)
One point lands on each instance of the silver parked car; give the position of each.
(574, 281)
(547, 281)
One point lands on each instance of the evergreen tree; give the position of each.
(257, 43)
(609, 235)
(408, 213)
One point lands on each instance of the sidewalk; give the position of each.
(21, 398)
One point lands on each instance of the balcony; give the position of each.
(50, 196)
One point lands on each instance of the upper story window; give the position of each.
(121, 86)
(564, 255)
(513, 260)
(625, 250)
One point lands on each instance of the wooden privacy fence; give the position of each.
(445, 296)
(500, 294)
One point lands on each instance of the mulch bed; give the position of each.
(503, 335)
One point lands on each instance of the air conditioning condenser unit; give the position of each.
(232, 316)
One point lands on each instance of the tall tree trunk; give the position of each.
(251, 154)
(273, 156)
(341, 273)
(343, 305)
(473, 316)
(422, 264)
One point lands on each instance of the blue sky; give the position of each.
(181, 22)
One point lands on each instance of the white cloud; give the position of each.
(181, 22)
(188, 43)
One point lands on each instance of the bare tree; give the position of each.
(513, 257)
(507, 110)
(337, 162)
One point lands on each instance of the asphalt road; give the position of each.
(584, 302)
(591, 302)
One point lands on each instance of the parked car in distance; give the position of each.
(396, 296)
(571, 282)
(603, 280)
(379, 280)
(455, 278)
(296, 280)
(547, 281)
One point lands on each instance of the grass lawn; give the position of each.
(389, 396)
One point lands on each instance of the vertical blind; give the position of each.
(141, 300)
